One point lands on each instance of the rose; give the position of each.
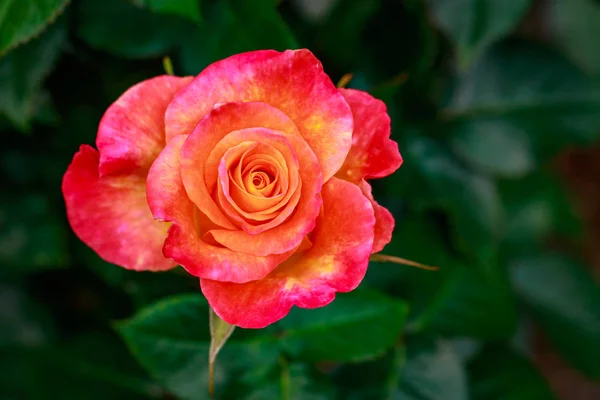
(250, 175)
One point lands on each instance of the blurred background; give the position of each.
(497, 113)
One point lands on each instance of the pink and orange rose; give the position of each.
(252, 176)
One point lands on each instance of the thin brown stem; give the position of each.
(344, 80)
(211, 380)
(400, 260)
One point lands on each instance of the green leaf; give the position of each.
(355, 326)
(519, 97)
(432, 371)
(23, 72)
(107, 25)
(171, 341)
(340, 33)
(295, 382)
(24, 321)
(31, 167)
(471, 199)
(32, 236)
(460, 299)
(475, 24)
(142, 287)
(304, 385)
(357, 37)
(471, 302)
(537, 207)
(416, 238)
(575, 26)
(184, 8)
(565, 300)
(22, 20)
(235, 26)
(373, 379)
(16, 370)
(499, 373)
(502, 152)
(97, 367)
(92, 366)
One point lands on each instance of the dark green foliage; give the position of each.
(22, 99)
(21, 21)
(480, 106)
(356, 326)
(564, 300)
(499, 372)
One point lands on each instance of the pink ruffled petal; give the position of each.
(110, 214)
(293, 82)
(336, 262)
(373, 153)
(384, 221)
(168, 200)
(132, 130)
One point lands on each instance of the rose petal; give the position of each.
(373, 154)
(264, 198)
(293, 82)
(210, 130)
(110, 214)
(163, 185)
(282, 207)
(168, 201)
(249, 204)
(205, 260)
(181, 118)
(282, 236)
(268, 143)
(257, 222)
(384, 221)
(132, 130)
(336, 262)
(245, 178)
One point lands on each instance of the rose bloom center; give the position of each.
(255, 181)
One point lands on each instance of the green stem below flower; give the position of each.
(219, 333)
(285, 379)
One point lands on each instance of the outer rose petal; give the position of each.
(132, 130)
(292, 81)
(373, 154)
(110, 214)
(168, 200)
(384, 221)
(336, 262)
